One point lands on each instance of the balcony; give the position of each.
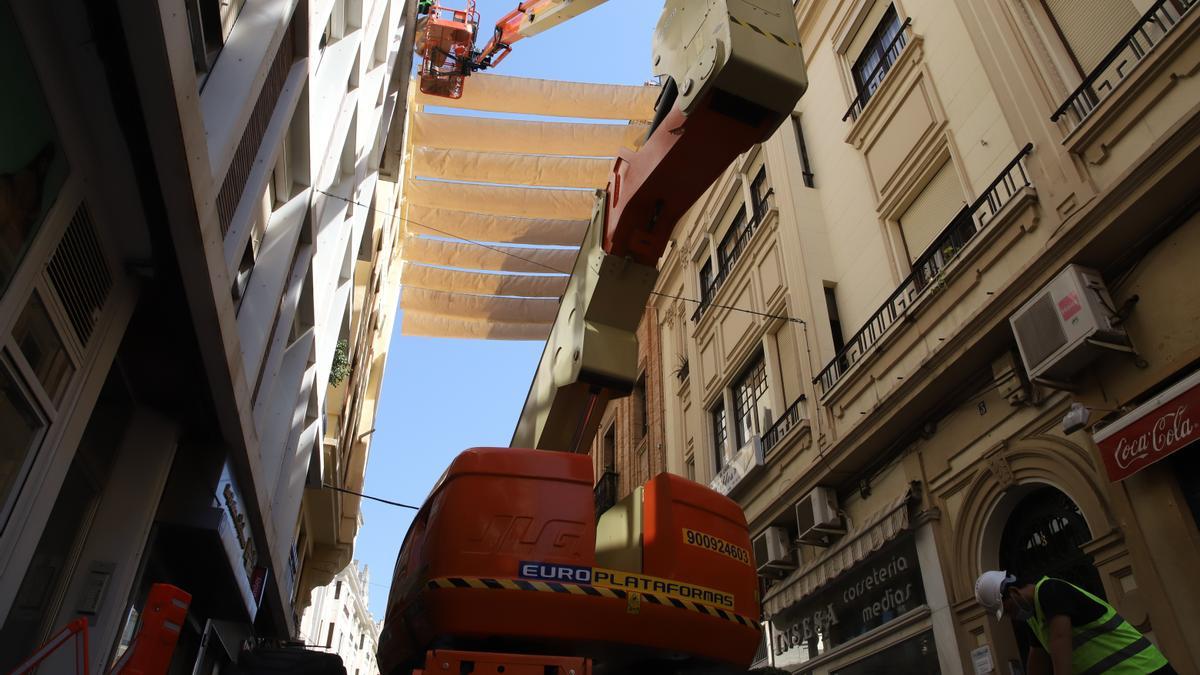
(891, 54)
(929, 272)
(743, 242)
(233, 186)
(606, 492)
(1153, 27)
(791, 419)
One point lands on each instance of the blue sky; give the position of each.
(443, 396)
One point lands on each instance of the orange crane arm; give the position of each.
(508, 31)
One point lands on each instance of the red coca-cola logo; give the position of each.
(1156, 435)
(1171, 430)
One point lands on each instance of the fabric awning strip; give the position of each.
(853, 548)
(511, 169)
(481, 134)
(485, 307)
(496, 258)
(489, 227)
(502, 200)
(480, 283)
(420, 324)
(528, 96)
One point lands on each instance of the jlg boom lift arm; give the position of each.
(732, 72)
(507, 564)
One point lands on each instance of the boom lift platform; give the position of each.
(506, 564)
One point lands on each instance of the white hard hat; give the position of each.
(989, 590)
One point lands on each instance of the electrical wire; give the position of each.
(365, 496)
(548, 268)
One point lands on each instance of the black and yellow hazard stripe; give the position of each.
(631, 597)
(765, 33)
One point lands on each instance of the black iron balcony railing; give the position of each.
(743, 241)
(928, 270)
(871, 83)
(1158, 22)
(606, 492)
(790, 419)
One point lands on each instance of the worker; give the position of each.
(1077, 631)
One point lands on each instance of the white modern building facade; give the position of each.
(194, 275)
(338, 620)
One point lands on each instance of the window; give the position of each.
(361, 639)
(835, 320)
(805, 165)
(23, 429)
(643, 407)
(1090, 28)
(706, 278)
(337, 590)
(720, 433)
(689, 467)
(32, 160)
(335, 28)
(759, 193)
(877, 52)
(748, 391)
(329, 637)
(258, 232)
(609, 448)
(42, 347)
(931, 212)
(731, 244)
(209, 24)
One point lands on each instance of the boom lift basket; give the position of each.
(446, 47)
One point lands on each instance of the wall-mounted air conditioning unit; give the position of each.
(817, 518)
(773, 551)
(1066, 325)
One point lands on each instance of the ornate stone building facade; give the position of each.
(868, 374)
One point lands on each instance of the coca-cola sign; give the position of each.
(1155, 431)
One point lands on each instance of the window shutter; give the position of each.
(931, 211)
(1092, 27)
(866, 29)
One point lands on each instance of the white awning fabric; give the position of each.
(523, 95)
(491, 308)
(481, 283)
(482, 134)
(489, 227)
(430, 325)
(512, 169)
(494, 209)
(503, 200)
(493, 258)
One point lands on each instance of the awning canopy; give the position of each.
(854, 547)
(482, 283)
(524, 95)
(512, 169)
(494, 208)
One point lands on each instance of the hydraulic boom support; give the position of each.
(733, 72)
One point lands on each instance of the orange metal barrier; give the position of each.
(152, 647)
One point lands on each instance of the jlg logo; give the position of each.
(522, 535)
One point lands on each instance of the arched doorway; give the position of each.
(1043, 537)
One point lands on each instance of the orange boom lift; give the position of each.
(447, 44)
(508, 566)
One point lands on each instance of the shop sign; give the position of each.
(876, 591)
(1164, 425)
(744, 463)
(238, 541)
